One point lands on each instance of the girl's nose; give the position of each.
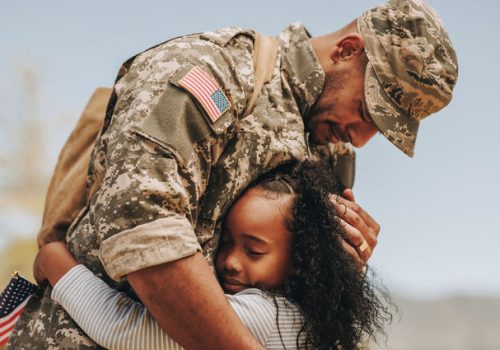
(232, 263)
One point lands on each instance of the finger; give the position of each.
(348, 194)
(356, 231)
(38, 273)
(359, 232)
(341, 209)
(369, 221)
(351, 205)
(352, 234)
(40, 278)
(363, 247)
(353, 253)
(354, 219)
(42, 283)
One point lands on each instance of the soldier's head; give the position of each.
(386, 71)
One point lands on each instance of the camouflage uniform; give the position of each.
(164, 173)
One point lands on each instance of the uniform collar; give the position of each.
(301, 66)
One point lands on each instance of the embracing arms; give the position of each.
(114, 320)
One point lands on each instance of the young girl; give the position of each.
(280, 261)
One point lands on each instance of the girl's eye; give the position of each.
(255, 253)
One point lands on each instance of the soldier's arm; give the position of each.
(186, 300)
(162, 259)
(159, 175)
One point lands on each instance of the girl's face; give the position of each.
(255, 249)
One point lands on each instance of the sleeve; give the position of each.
(114, 321)
(157, 153)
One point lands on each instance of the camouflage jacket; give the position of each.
(165, 168)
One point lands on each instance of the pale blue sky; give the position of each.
(438, 211)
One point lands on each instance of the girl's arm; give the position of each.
(52, 262)
(114, 320)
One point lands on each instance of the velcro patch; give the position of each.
(206, 91)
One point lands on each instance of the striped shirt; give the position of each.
(115, 321)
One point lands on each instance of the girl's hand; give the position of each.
(51, 263)
(38, 273)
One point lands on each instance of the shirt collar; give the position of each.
(301, 66)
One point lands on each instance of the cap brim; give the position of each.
(392, 121)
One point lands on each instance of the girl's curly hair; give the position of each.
(339, 304)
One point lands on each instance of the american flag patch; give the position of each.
(206, 91)
(12, 302)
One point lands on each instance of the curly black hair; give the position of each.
(339, 304)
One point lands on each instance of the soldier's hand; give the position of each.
(360, 228)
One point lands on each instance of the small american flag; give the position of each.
(206, 91)
(12, 302)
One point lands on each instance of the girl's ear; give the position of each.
(351, 45)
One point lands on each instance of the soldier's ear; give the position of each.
(350, 46)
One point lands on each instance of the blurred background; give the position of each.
(438, 249)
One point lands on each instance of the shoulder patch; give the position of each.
(206, 91)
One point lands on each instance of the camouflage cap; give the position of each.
(412, 68)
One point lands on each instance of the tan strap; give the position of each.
(264, 59)
(66, 194)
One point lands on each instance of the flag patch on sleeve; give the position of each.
(206, 91)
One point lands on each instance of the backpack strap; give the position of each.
(264, 59)
(66, 194)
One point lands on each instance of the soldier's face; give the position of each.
(340, 113)
(255, 249)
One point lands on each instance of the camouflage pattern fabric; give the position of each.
(163, 173)
(412, 68)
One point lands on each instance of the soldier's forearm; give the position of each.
(188, 303)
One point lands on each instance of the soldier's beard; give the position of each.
(326, 105)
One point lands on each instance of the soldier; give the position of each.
(177, 147)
